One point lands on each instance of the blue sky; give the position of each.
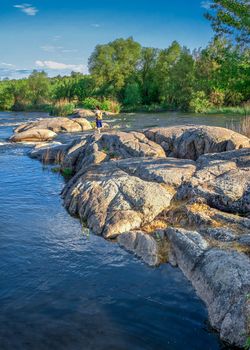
(59, 36)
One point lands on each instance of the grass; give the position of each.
(242, 128)
(245, 110)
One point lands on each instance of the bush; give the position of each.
(91, 103)
(217, 97)
(233, 98)
(111, 106)
(105, 105)
(62, 109)
(199, 103)
(6, 100)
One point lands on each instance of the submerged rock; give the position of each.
(221, 278)
(191, 141)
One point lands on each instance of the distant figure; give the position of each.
(98, 120)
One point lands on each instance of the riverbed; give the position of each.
(61, 288)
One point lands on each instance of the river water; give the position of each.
(61, 289)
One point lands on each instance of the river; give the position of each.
(62, 289)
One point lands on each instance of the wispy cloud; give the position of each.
(28, 9)
(60, 66)
(95, 25)
(57, 49)
(51, 48)
(206, 4)
(6, 65)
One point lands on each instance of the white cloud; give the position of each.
(69, 50)
(60, 66)
(57, 49)
(206, 4)
(95, 25)
(8, 65)
(28, 9)
(51, 48)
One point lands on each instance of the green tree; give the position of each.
(165, 62)
(39, 86)
(231, 18)
(181, 78)
(132, 95)
(112, 64)
(147, 76)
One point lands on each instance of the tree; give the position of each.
(166, 60)
(147, 75)
(112, 64)
(231, 18)
(132, 95)
(181, 78)
(38, 84)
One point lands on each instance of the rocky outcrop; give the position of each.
(223, 181)
(34, 135)
(126, 186)
(83, 113)
(192, 141)
(57, 125)
(221, 278)
(88, 113)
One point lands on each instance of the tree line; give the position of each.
(123, 73)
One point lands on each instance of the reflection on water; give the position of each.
(62, 290)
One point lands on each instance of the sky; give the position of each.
(58, 36)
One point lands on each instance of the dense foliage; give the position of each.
(124, 73)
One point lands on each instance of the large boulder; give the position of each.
(34, 135)
(95, 148)
(83, 113)
(220, 277)
(111, 198)
(57, 125)
(191, 141)
(223, 181)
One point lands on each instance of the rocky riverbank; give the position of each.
(179, 195)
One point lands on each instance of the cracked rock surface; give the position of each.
(178, 194)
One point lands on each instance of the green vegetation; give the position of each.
(67, 172)
(123, 74)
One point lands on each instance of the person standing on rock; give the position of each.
(98, 120)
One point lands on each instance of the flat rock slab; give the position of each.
(113, 199)
(220, 277)
(191, 141)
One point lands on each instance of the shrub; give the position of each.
(233, 98)
(199, 103)
(105, 105)
(217, 97)
(6, 100)
(90, 103)
(111, 106)
(62, 109)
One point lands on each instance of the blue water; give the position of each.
(60, 289)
